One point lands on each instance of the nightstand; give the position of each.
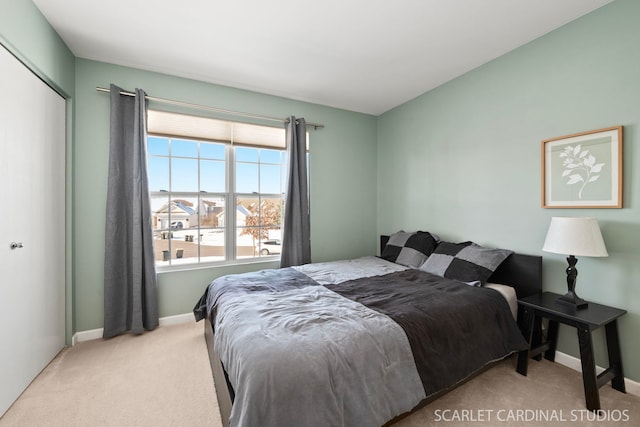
(585, 320)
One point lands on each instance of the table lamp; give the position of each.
(574, 236)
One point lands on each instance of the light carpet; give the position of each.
(163, 378)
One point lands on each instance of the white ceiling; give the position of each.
(361, 55)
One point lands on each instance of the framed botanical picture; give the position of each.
(583, 170)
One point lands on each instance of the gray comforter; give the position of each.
(354, 353)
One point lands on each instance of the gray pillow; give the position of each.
(409, 249)
(465, 262)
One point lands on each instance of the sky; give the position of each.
(257, 170)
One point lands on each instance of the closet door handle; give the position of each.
(15, 245)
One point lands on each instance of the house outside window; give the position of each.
(217, 189)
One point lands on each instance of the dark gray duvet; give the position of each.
(355, 353)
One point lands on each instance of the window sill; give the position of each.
(264, 262)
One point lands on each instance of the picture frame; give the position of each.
(583, 170)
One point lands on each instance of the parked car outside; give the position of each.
(270, 247)
(177, 225)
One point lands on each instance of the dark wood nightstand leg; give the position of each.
(591, 394)
(615, 361)
(552, 339)
(536, 336)
(527, 330)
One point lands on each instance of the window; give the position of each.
(214, 198)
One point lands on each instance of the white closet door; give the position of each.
(32, 199)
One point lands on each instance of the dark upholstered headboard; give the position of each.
(521, 272)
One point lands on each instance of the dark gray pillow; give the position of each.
(409, 249)
(465, 262)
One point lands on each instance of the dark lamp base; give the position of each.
(570, 298)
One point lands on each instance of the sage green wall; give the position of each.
(463, 160)
(342, 180)
(25, 32)
(30, 38)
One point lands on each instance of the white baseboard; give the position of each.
(574, 363)
(94, 334)
(178, 319)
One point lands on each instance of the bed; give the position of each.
(362, 341)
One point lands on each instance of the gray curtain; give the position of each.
(130, 288)
(296, 231)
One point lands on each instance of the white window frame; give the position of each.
(230, 197)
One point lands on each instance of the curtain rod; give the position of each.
(208, 108)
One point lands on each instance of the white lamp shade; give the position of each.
(575, 236)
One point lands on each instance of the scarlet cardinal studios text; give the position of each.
(529, 415)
